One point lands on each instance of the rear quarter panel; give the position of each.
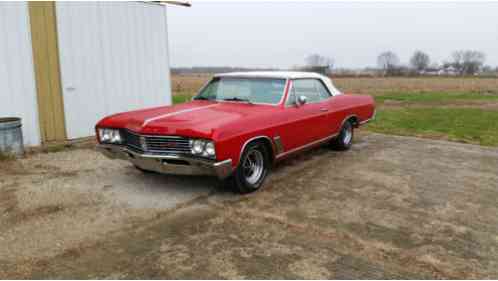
(347, 105)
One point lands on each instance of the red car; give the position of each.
(237, 126)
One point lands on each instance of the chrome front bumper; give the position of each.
(169, 164)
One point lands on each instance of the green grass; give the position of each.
(469, 125)
(435, 97)
(181, 98)
(4, 156)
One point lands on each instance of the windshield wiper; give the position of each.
(237, 99)
(201, 98)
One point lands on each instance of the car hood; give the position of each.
(194, 119)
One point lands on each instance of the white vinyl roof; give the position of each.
(272, 74)
(283, 75)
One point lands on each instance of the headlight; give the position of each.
(210, 149)
(203, 148)
(198, 146)
(110, 136)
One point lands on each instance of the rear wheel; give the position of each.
(345, 138)
(253, 168)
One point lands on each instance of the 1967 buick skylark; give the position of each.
(237, 126)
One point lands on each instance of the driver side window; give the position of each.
(310, 88)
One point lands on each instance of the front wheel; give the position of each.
(253, 168)
(345, 138)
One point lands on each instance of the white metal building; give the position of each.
(65, 65)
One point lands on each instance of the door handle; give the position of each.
(324, 109)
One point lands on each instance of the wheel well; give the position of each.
(267, 143)
(354, 120)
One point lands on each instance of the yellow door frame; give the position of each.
(47, 70)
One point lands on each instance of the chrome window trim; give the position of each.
(291, 88)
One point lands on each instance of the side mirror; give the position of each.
(301, 100)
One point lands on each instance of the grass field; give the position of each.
(455, 109)
(471, 125)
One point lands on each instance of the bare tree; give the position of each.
(487, 68)
(420, 61)
(319, 63)
(319, 60)
(388, 62)
(467, 62)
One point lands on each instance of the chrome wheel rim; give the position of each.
(348, 134)
(253, 166)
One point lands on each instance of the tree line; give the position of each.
(461, 62)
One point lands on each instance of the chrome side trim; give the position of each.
(278, 145)
(365, 121)
(306, 146)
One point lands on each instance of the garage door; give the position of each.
(113, 58)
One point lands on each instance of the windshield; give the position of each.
(253, 90)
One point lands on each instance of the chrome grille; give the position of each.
(132, 141)
(167, 144)
(157, 144)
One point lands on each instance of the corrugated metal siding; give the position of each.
(114, 58)
(17, 82)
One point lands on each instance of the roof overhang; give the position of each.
(185, 3)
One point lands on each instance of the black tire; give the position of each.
(242, 179)
(143, 171)
(344, 140)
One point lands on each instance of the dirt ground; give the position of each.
(392, 207)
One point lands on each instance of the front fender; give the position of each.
(233, 148)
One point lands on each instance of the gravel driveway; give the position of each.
(391, 207)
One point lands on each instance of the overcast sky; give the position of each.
(282, 34)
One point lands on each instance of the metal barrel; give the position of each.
(11, 141)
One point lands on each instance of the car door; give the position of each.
(333, 111)
(304, 123)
